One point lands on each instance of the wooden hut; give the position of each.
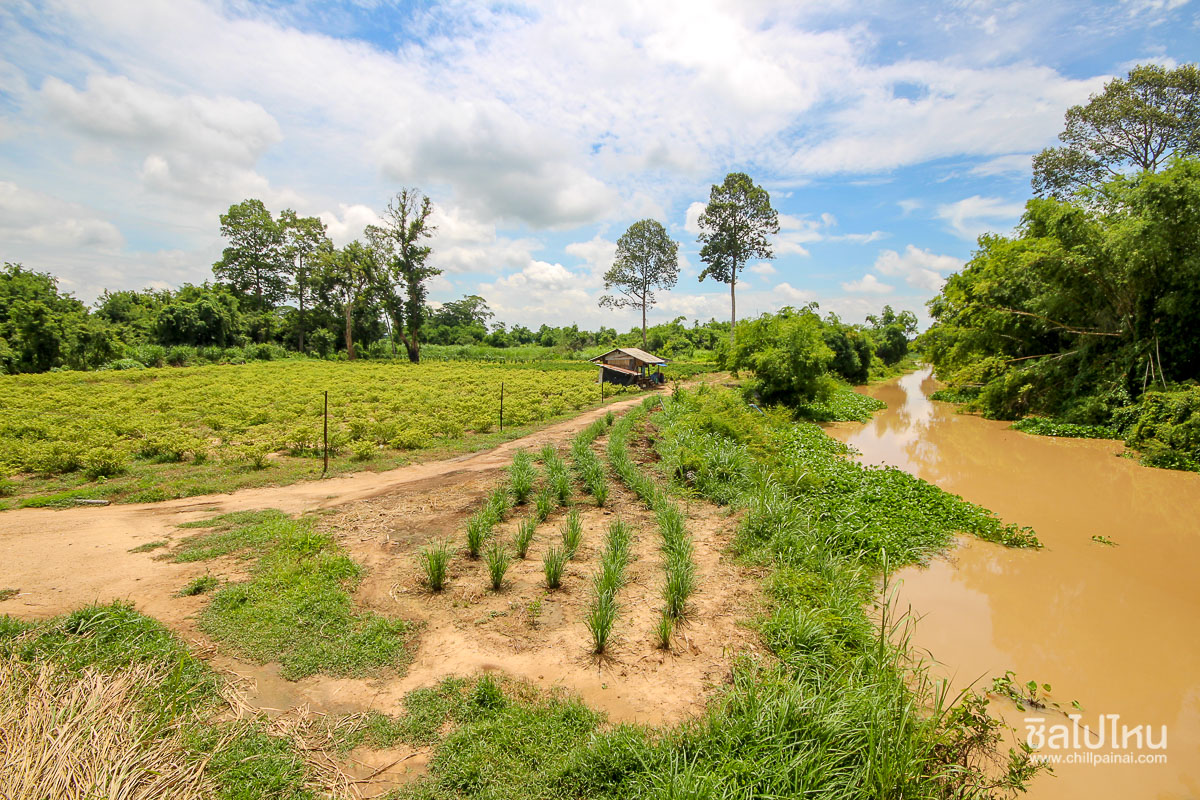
(629, 365)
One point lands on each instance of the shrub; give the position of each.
(362, 449)
(435, 561)
(103, 462)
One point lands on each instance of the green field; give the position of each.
(153, 434)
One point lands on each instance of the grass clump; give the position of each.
(664, 629)
(498, 561)
(522, 474)
(296, 607)
(558, 477)
(554, 562)
(544, 504)
(524, 537)
(148, 546)
(600, 618)
(201, 585)
(435, 563)
(572, 533)
(479, 527)
(680, 584)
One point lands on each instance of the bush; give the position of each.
(103, 462)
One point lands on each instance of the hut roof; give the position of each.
(634, 353)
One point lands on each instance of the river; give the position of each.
(1114, 627)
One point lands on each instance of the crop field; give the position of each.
(159, 433)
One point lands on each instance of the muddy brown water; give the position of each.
(1112, 627)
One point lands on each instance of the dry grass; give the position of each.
(87, 736)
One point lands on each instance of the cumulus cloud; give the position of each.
(793, 296)
(919, 268)
(867, 284)
(973, 216)
(763, 268)
(190, 145)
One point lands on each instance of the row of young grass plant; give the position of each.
(522, 482)
(677, 547)
(609, 579)
(589, 469)
(839, 712)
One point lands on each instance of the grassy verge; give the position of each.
(107, 702)
(296, 607)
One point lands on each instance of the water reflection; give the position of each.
(1112, 627)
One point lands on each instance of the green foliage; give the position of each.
(664, 629)
(587, 465)
(787, 354)
(1167, 429)
(841, 404)
(295, 608)
(1040, 426)
(1138, 122)
(479, 528)
(146, 547)
(1088, 310)
(435, 562)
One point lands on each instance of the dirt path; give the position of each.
(61, 560)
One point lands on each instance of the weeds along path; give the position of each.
(61, 560)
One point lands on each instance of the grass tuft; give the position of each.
(498, 561)
(524, 537)
(664, 630)
(521, 476)
(201, 585)
(544, 504)
(435, 562)
(601, 617)
(572, 533)
(553, 565)
(148, 546)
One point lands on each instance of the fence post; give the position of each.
(326, 435)
(502, 406)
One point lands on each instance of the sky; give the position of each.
(890, 135)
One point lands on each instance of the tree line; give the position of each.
(281, 286)
(1090, 313)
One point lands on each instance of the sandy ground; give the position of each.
(61, 560)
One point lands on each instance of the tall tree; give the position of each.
(302, 237)
(734, 229)
(402, 284)
(647, 259)
(349, 273)
(254, 264)
(1136, 123)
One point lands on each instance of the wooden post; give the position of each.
(325, 469)
(502, 406)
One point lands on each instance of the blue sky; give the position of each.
(890, 135)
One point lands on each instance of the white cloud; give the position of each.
(1012, 164)
(188, 145)
(919, 268)
(793, 296)
(973, 216)
(691, 220)
(867, 284)
(598, 253)
(762, 268)
(908, 206)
